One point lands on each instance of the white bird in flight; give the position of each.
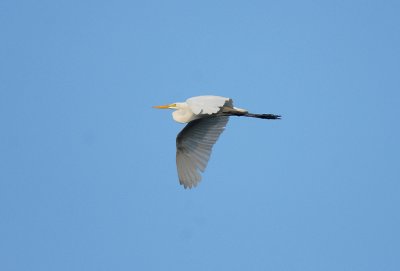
(207, 117)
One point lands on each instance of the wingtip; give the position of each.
(188, 186)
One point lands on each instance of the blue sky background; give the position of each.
(87, 167)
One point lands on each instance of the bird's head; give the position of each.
(182, 112)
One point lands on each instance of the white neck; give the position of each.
(183, 114)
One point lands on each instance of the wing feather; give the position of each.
(194, 145)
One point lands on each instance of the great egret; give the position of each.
(207, 117)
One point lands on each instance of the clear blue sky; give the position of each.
(87, 167)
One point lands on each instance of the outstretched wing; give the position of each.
(193, 147)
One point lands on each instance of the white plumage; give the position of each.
(207, 104)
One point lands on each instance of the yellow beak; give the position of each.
(168, 106)
(161, 106)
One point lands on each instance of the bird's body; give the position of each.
(207, 117)
(203, 106)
